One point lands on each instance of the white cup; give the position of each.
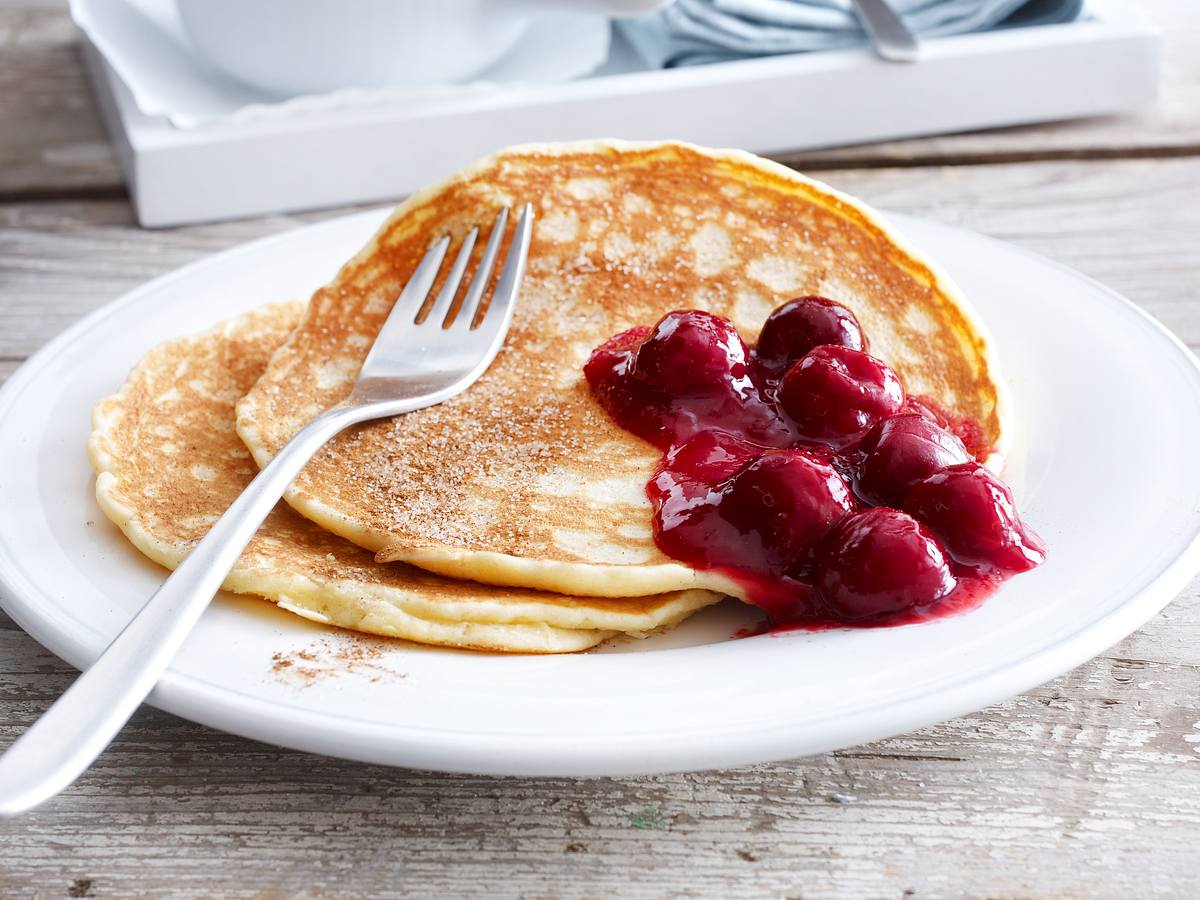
(293, 47)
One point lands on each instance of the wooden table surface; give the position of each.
(1089, 785)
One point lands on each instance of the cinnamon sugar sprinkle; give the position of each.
(334, 657)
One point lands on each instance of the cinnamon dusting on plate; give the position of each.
(333, 657)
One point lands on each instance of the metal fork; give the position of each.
(412, 365)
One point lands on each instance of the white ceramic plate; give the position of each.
(1109, 404)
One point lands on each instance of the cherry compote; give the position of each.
(801, 470)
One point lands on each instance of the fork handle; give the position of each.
(57, 748)
(892, 39)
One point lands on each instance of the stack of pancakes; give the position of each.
(514, 516)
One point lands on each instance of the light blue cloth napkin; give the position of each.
(693, 32)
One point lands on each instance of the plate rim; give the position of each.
(298, 728)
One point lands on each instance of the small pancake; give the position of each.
(523, 479)
(169, 462)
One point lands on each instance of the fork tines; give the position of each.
(443, 310)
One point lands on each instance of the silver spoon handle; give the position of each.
(891, 38)
(66, 739)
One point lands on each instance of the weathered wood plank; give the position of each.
(1131, 224)
(54, 142)
(1086, 786)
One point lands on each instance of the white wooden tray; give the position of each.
(1102, 64)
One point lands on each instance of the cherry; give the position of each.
(710, 456)
(900, 451)
(691, 352)
(879, 563)
(836, 394)
(973, 514)
(921, 406)
(785, 501)
(626, 341)
(966, 429)
(710, 385)
(799, 325)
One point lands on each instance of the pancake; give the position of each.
(169, 463)
(523, 479)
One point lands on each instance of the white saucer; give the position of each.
(1104, 469)
(144, 43)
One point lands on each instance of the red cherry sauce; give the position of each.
(806, 475)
